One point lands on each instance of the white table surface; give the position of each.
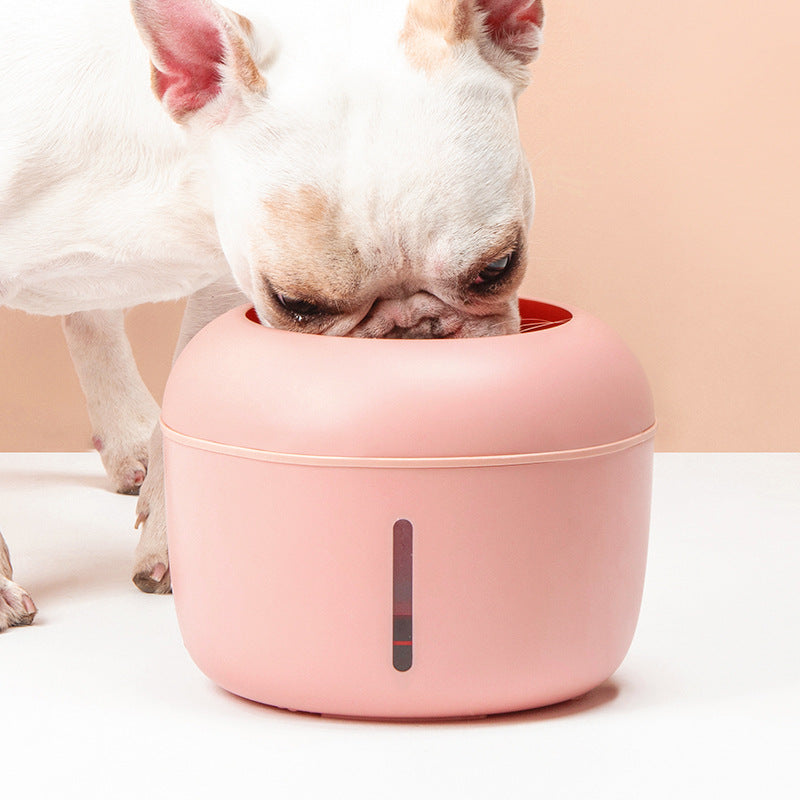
(99, 699)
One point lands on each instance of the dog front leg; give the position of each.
(121, 409)
(16, 606)
(151, 569)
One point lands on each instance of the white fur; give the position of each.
(424, 166)
(122, 411)
(101, 200)
(106, 202)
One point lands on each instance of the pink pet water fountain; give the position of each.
(408, 528)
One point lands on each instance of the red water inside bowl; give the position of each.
(534, 315)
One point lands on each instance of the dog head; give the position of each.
(367, 177)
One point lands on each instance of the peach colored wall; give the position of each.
(664, 143)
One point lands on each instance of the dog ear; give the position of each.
(198, 53)
(507, 32)
(515, 26)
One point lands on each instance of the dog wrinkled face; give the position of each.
(411, 222)
(385, 196)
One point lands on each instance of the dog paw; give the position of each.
(125, 465)
(151, 570)
(16, 606)
(152, 577)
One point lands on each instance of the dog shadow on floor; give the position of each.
(88, 575)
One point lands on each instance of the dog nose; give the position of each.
(420, 316)
(426, 328)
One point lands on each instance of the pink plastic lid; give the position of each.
(569, 384)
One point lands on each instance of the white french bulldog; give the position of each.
(349, 167)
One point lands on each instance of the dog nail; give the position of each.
(28, 604)
(138, 477)
(139, 520)
(159, 570)
(98, 443)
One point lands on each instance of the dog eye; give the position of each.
(300, 310)
(493, 272)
